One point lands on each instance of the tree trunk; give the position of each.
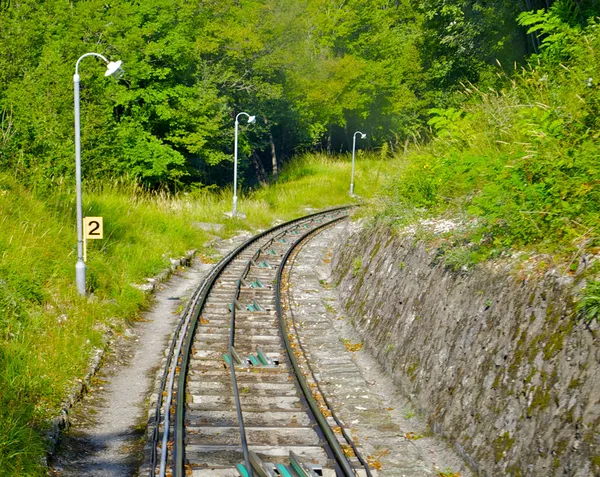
(535, 41)
(273, 156)
(261, 174)
(6, 127)
(273, 152)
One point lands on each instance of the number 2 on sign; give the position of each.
(92, 230)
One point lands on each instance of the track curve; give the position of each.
(242, 409)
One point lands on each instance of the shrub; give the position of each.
(522, 159)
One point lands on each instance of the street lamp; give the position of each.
(113, 68)
(362, 136)
(251, 119)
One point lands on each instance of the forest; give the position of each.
(485, 110)
(312, 71)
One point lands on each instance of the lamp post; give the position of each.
(251, 119)
(113, 68)
(362, 136)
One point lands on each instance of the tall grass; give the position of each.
(47, 332)
(522, 160)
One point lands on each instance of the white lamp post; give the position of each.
(362, 136)
(113, 68)
(251, 119)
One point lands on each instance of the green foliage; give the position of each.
(312, 72)
(459, 258)
(588, 306)
(522, 159)
(558, 27)
(357, 266)
(446, 122)
(356, 67)
(461, 38)
(20, 446)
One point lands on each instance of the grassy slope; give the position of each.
(47, 332)
(519, 164)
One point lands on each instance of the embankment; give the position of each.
(494, 360)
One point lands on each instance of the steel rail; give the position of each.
(159, 400)
(169, 372)
(348, 439)
(191, 321)
(235, 389)
(236, 394)
(338, 452)
(169, 398)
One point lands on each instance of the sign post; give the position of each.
(93, 229)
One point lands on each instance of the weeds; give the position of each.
(448, 473)
(357, 266)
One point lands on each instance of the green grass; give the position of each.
(519, 164)
(48, 332)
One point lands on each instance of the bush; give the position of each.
(522, 159)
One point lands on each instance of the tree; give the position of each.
(463, 38)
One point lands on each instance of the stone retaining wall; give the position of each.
(494, 362)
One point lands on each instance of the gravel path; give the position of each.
(108, 425)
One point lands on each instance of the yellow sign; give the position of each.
(92, 228)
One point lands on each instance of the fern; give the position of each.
(557, 26)
(444, 121)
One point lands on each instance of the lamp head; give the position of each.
(363, 136)
(251, 119)
(113, 68)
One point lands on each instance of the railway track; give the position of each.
(239, 398)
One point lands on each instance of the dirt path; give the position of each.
(383, 423)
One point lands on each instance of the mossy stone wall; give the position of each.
(493, 360)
